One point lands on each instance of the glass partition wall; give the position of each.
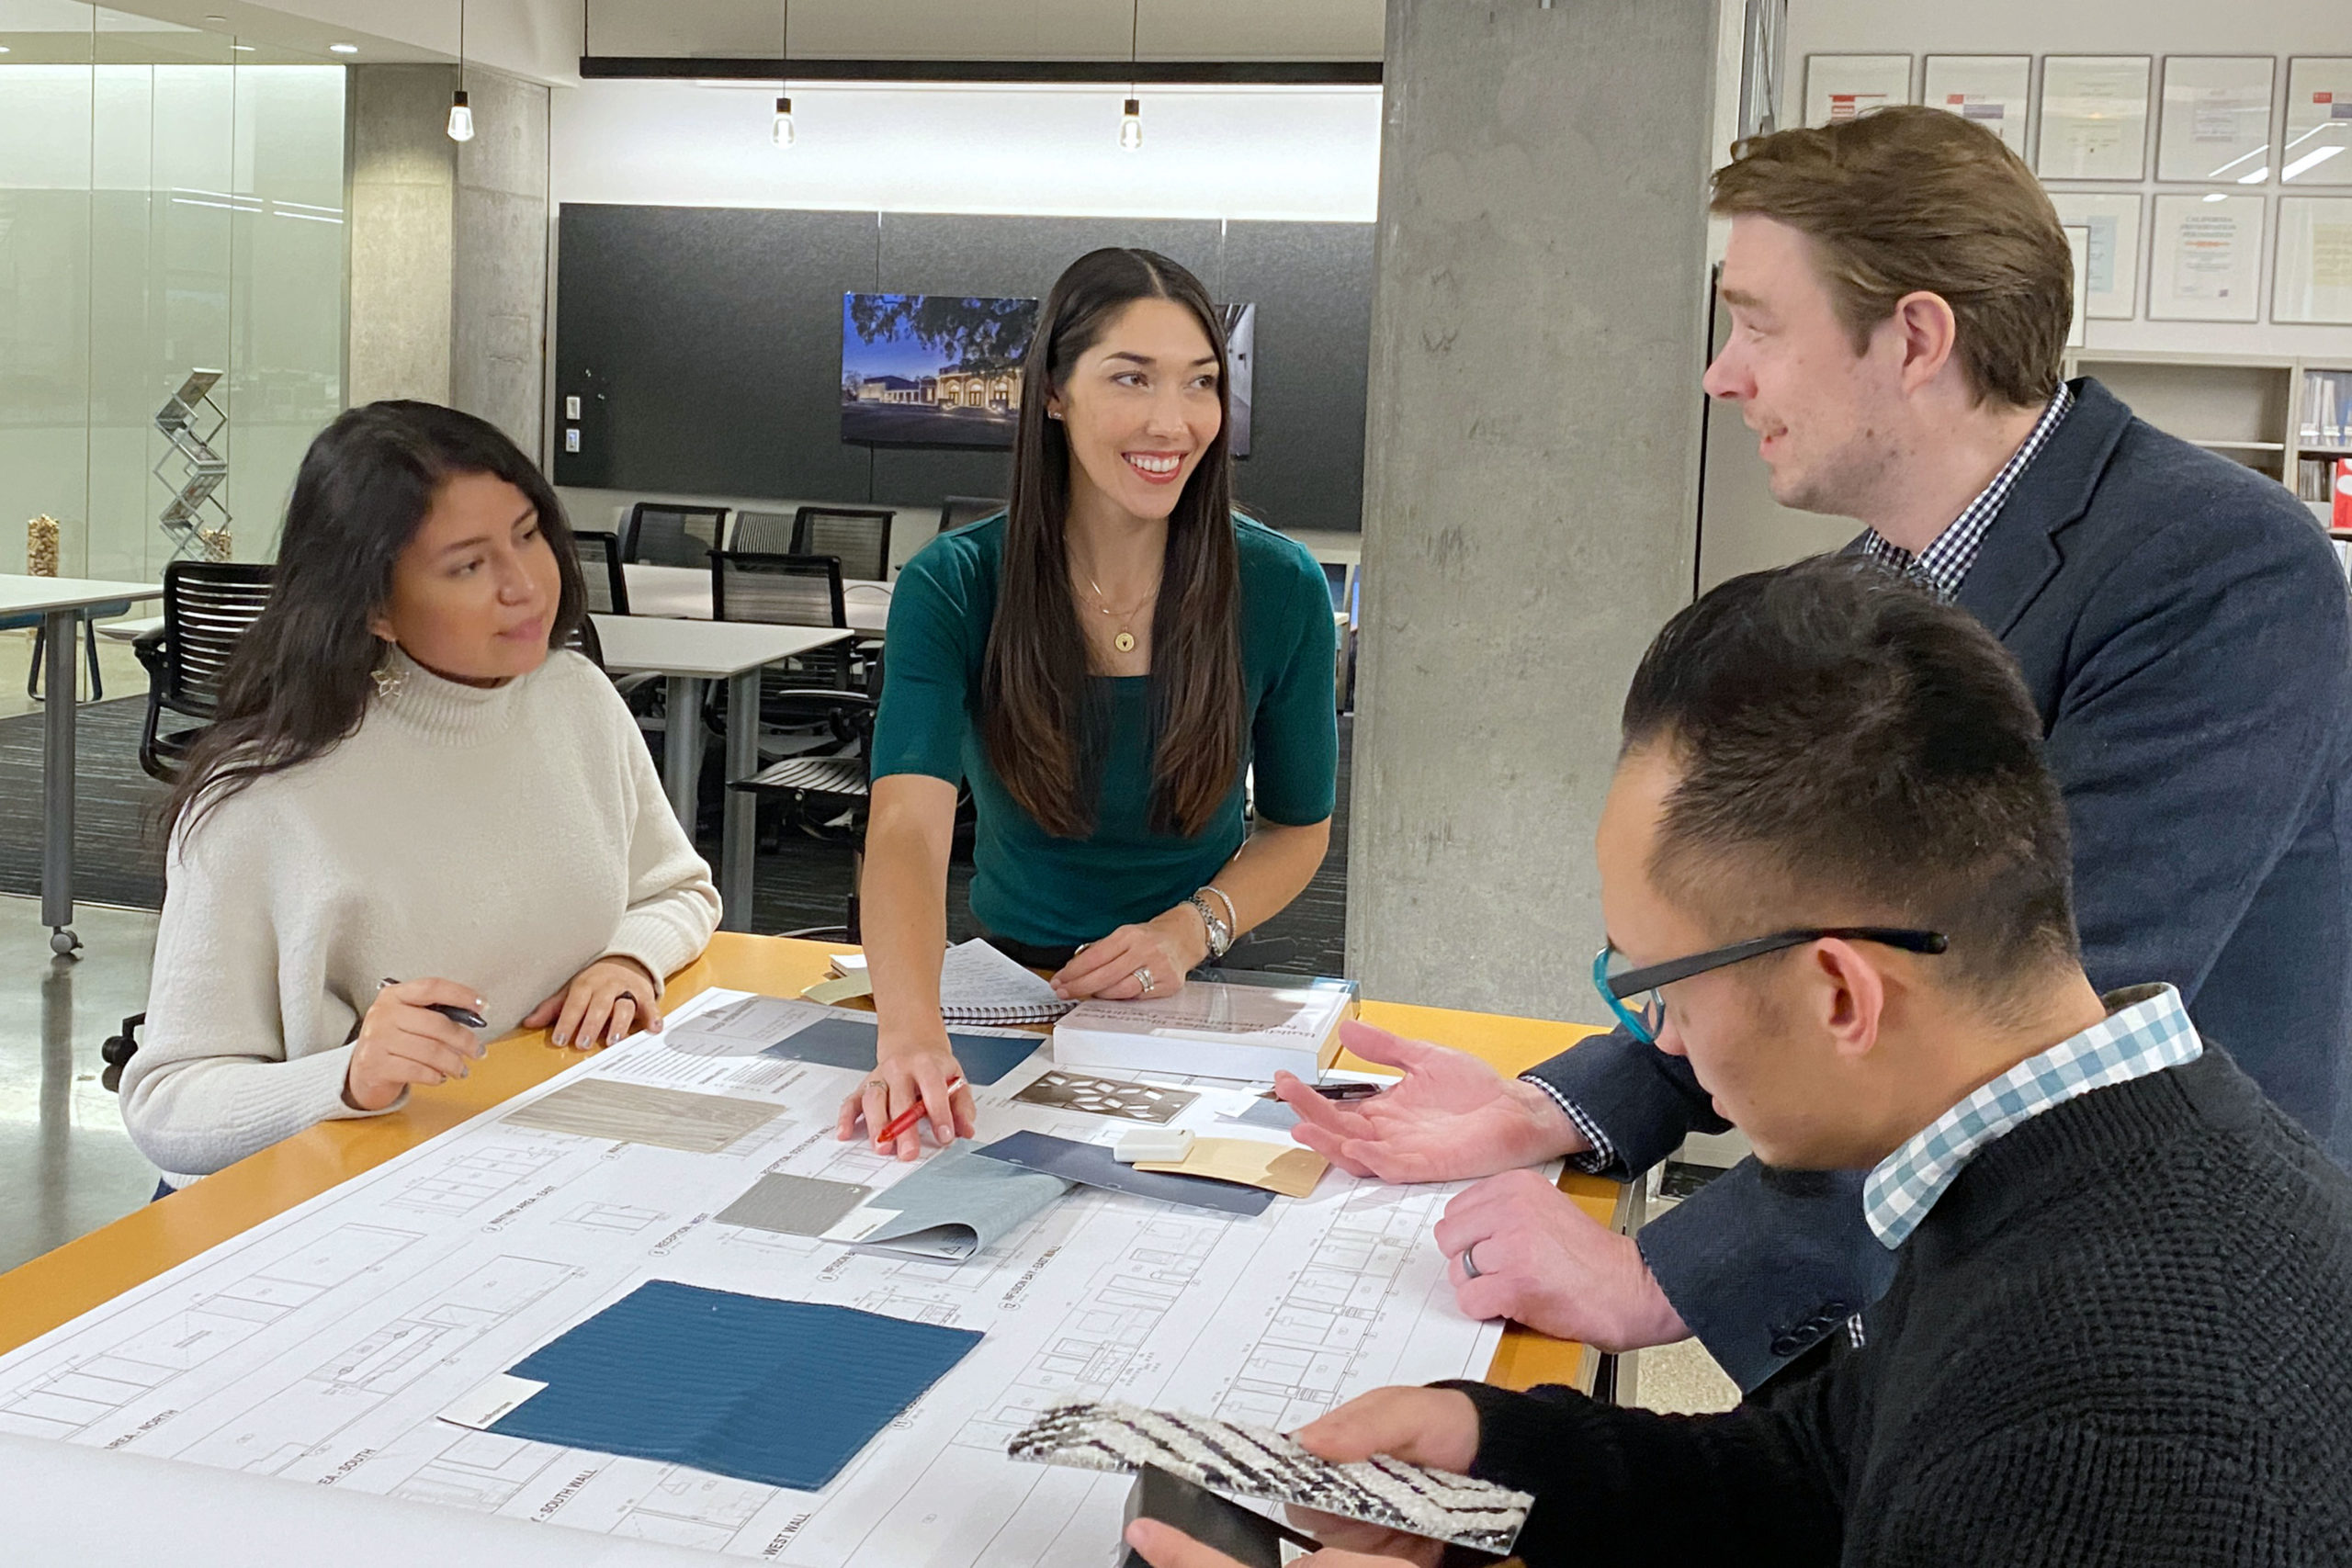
(171, 200)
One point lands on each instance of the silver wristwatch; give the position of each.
(1220, 933)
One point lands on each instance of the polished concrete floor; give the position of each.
(66, 1165)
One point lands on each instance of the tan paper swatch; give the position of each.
(1291, 1171)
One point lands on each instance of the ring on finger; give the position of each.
(1469, 1262)
(1143, 978)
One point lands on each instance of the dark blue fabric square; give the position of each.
(781, 1393)
(850, 1043)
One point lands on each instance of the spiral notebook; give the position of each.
(980, 984)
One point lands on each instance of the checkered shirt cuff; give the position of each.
(1595, 1161)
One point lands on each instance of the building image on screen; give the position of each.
(933, 369)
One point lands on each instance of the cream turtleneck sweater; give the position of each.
(501, 838)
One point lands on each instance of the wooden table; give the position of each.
(684, 592)
(60, 602)
(61, 1285)
(690, 653)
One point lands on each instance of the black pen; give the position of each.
(454, 1013)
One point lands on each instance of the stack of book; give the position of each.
(1236, 1025)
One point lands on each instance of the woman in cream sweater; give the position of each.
(410, 777)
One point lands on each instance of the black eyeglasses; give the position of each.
(1617, 986)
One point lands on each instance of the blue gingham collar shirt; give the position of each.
(2146, 1031)
(1944, 566)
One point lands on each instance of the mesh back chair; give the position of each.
(858, 537)
(600, 568)
(786, 591)
(664, 534)
(958, 510)
(763, 533)
(208, 605)
(825, 791)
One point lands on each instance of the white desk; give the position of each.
(689, 653)
(60, 601)
(684, 592)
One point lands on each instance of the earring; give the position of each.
(388, 682)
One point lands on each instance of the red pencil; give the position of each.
(906, 1119)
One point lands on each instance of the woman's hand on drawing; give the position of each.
(1115, 969)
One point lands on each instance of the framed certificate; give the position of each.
(2314, 281)
(1839, 87)
(2094, 116)
(2078, 248)
(2107, 283)
(1993, 90)
(2319, 123)
(2216, 119)
(2207, 259)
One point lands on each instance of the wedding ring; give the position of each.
(1470, 1263)
(1143, 978)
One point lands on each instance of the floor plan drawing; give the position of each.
(320, 1347)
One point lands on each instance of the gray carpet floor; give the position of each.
(801, 883)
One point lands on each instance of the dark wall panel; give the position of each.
(706, 344)
(1312, 283)
(939, 253)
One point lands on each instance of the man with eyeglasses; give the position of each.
(1899, 292)
(2119, 1329)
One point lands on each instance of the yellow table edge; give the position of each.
(63, 1284)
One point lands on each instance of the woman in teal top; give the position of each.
(1103, 664)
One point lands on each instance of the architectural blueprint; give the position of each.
(322, 1346)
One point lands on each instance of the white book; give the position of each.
(1247, 1029)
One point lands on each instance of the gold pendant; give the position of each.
(1125, 642)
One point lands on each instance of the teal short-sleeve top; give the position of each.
(1031, 886)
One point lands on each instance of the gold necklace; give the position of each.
(1123, 640)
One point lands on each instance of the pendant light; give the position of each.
(781, 132)
(1131, 113)
(461, 117)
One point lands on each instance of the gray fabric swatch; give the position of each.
(1091, 1164)
(956, 1203)
(793, 1205)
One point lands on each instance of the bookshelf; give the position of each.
(2322, 432)
(2263, 411)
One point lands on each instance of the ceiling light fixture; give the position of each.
(343, 49)
(780, 131)
(2309, 160)
(1131, 112)
(461, 115)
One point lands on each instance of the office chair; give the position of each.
(857, 537)
(786, 591)
(958, 510)
(208, 605)
(600, 568)
(763, 533)
(666, 533)
(816, 788)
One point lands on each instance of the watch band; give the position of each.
(1220, 934)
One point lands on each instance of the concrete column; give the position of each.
(449, 244)
(1533, 453)
(402, 211)
(498, 360)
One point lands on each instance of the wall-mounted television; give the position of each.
(933, 369)
(945, 370)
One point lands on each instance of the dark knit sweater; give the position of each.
(2123, 1335)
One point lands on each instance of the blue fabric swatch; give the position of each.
(849, 1042)
(1091, 1165)
(781, 1393)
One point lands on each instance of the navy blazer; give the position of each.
(2184, 631)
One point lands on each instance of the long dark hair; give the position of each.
(299, 681)
(1045, 732)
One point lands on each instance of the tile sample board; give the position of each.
(626, 1113)
(322, 1346)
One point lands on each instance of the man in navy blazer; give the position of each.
(1900, 293)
